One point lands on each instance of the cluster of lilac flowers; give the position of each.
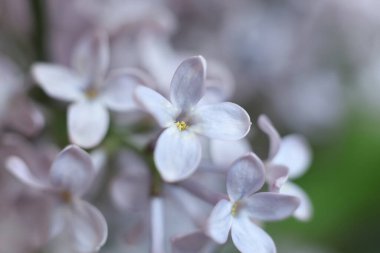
(155, 159)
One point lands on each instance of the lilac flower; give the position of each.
(87, 86)
(289, 157)
(178, 149)
(70, 176)
(245, 177)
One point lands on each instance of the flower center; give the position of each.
(181, 125)
(234, 209)
(91, 93)
(66, 196)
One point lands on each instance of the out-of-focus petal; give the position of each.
(305, 210)
(294, 153)
(157, 225)
(160, 108)
(72, 170)
(187, 86)
(177, 154)
(58, 81)
(267, 127)
(223, 153)
(269, 206)
(91, 56)
(249, 238)
(88, 123)
(87, 227)
(276, 176)
(220, 221)
(20, 169)
(223, 121)
(245, 177)
(190, 243)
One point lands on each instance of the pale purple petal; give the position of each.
(157, 225)
(267, 127)
(20, 170)
(72, 170)
(87, 226)
(187, 86)
(294, 153)
(58, 81)
(190, 243)
(91, 56)
(177, 154)
(223, 121)
(249, 238)
(223, 153)
(305, 210)
(270, 206)
(220, 221)
(245, 177)
(88, 123)
(276, 176)
(160, 108)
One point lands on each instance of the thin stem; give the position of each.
(38, 12)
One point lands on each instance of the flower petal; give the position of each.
(305, 210)
(245, 177)
(177, 154)
(88, 123)
(248, 237)
(276, 176)
(267, 127)
(72, 170)
(88, 227)
(223, 153)
(190, 243)
(270, 206)
(187, 86)
(160, 108)
(224, 121)
(294, 153)
(58, 81)
(220, 221)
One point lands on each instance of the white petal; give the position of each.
(276, 176)
(20, 169)
(305, 210)
(223, 153)
(72, 170)
(249, 238)
(160, 108)
(224, 121)
(269, 206)
(188, 83)
(88, 123)
(177, 154)
(220, 221)
(274, 137)
(58, 81)
(157, 225)
(245, 177)
(294, 153)
(88, 227)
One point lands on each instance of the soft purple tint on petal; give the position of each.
(72, 170)
(223, 121)
(249, 238)
(177, 154)
(223, 153)
(20, 169)
(276, 175)
(187, 86)
(87, 226)
(220, 221)
(295, 153)
(190, 243)
(245, 177)
(160, 108)
(88, 123)
(157, 225)
(267, 127)
(305, 210)
(269, 206)
(58, 81)
(91, 56)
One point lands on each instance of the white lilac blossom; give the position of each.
(70, 176)
(178, 149)
(89, 89)
(289, 158)
(245, 205)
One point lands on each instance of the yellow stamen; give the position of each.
(66, 196)
(181, 125)
(234, 209)
(91, 93)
